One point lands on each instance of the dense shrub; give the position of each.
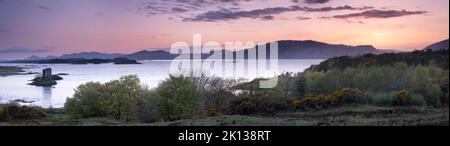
(415, 58)
(401, 98)
(348, 95)
(209, 112)
(216, 93)
(417, 100)
(337, 98)
(13, 111)
(316, 102)
(296, 103)
(443, 81)
(404, 98)
(428, 81)
(381, 98)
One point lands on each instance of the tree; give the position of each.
(301, 86)
(88, 101)
(117, 98)
(147, 110)
(177, 98)
(123, 97)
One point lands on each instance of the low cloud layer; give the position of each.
(302, 18)
(224, 14)
(18, 50)
(316, 1)
(43, 7)
(311, 1)
(228, 10)
(182, 6)
(379, 14)
(3, 31)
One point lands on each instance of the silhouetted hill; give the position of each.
(150, 55)
(90, 55)
(317, 50)
(440, 58)
(287, 49)
(83, 55)
(34, 57)
(78, 61)
(439, 45)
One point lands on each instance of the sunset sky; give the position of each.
(55, 27)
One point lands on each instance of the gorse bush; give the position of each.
(314, 102)
(246, 104)
(348, 95)
(337, 98)
(402, 98)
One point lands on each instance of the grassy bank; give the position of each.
(345, 116)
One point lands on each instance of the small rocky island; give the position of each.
(124, 61)
(47, 79)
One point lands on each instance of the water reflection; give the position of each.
(47, 96)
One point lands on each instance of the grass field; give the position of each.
(348, 116)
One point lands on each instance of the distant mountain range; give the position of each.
(288, 49)
(91, 55)
(439, 45)
(150, 55)
(84, 55)
(34, 57)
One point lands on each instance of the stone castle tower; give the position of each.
(47, 73)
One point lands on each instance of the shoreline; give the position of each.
(6, 71)
(10, 71)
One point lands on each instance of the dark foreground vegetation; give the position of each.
(351, 115)
(362, 91)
